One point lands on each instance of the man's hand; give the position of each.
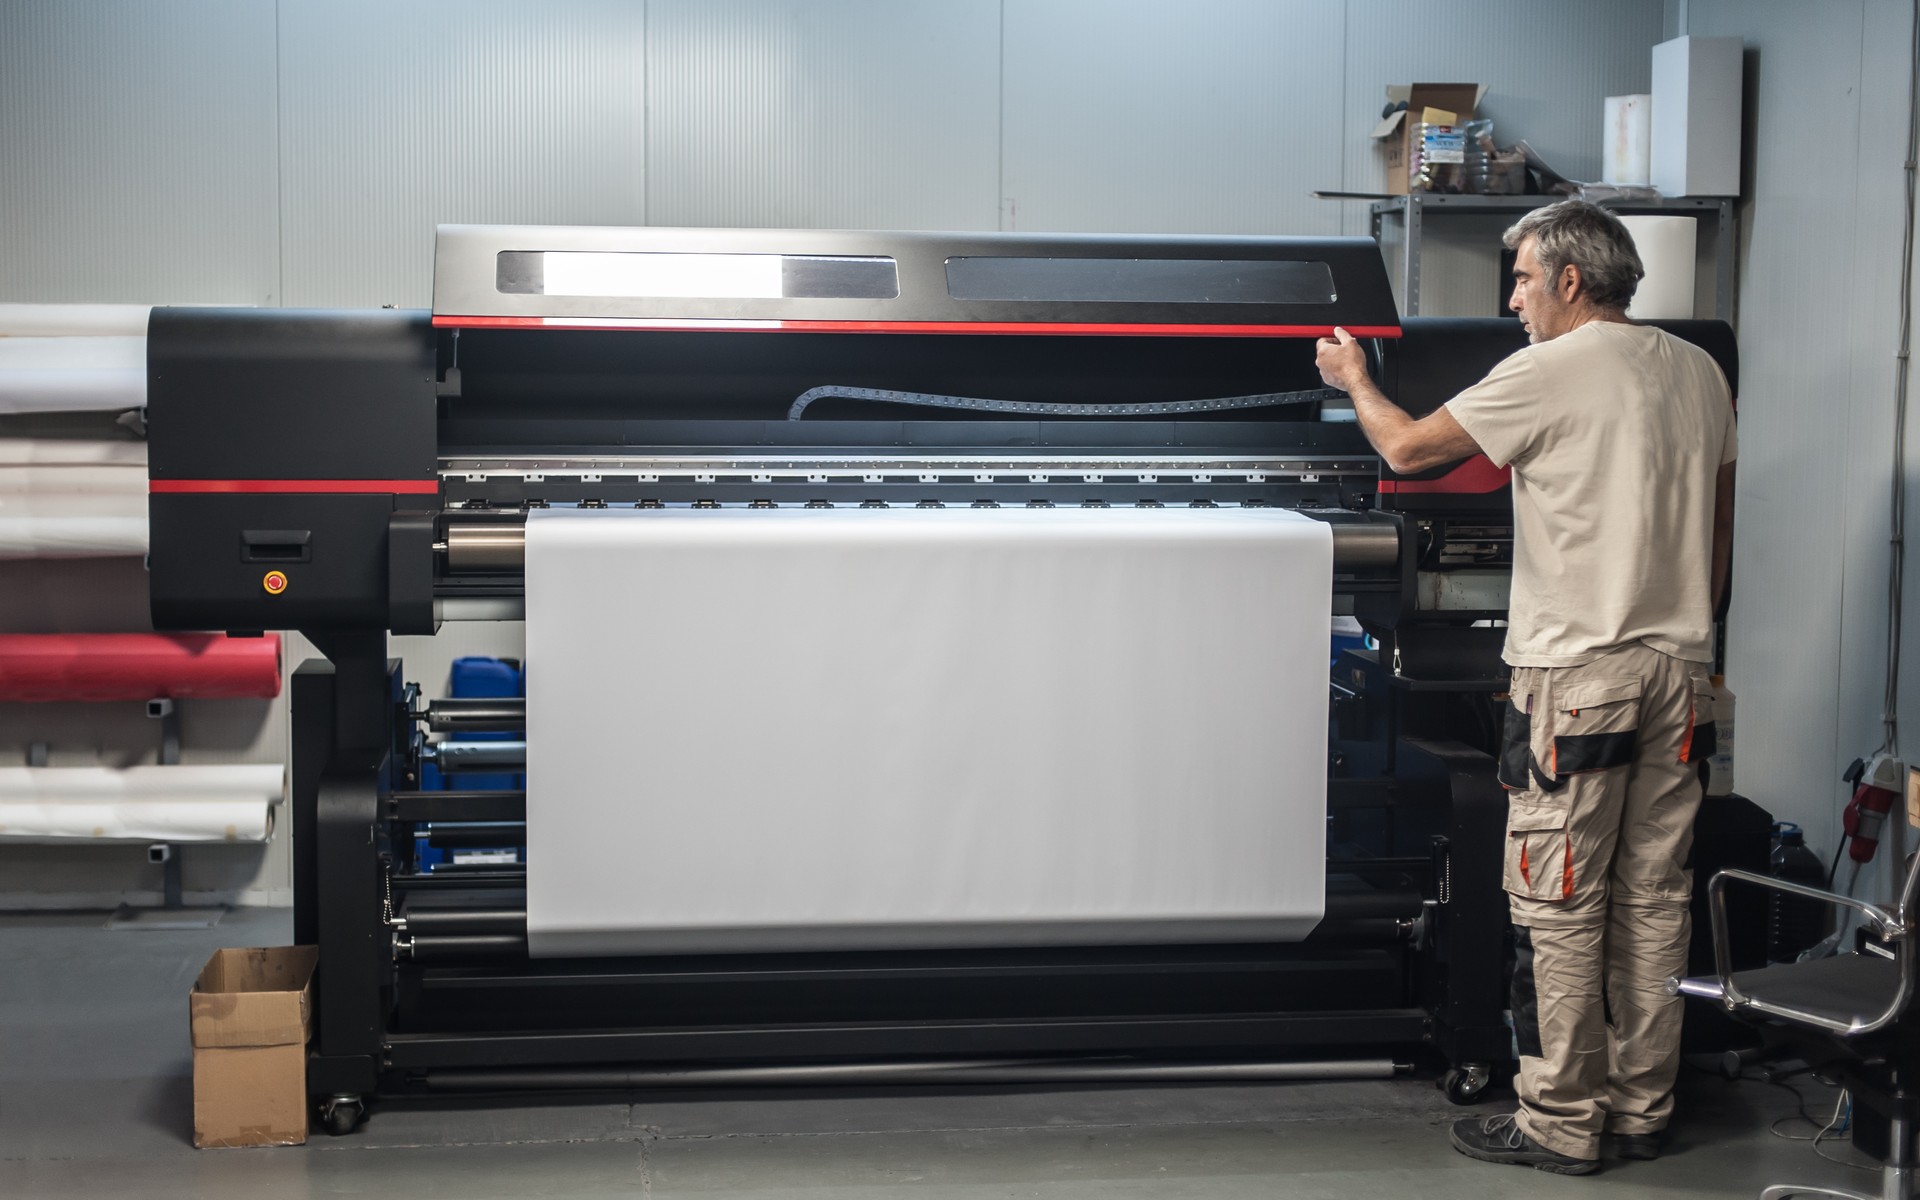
(1409, 446)
(1342, 363)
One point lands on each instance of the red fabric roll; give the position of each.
(137, 666)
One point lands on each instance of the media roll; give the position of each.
(225, 803)
(42, 667)
(1666, 246)
(790, 729)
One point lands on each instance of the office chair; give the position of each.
(1847, 1016)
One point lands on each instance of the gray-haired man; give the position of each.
(1621, 441)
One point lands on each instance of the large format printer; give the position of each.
(355, 474)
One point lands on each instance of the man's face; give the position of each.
(1543, 311)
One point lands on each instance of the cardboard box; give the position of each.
(1397, 131)
(1696, 116)
(252, 1012)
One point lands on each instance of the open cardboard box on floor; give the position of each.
(1397, 131)
(252, 1012)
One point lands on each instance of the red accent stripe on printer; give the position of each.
(406, 487)
(1475, 477)
(1005, 327)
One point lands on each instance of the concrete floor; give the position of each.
(96, 1099)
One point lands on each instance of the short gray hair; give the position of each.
(1583, 235)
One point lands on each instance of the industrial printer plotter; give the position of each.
(355, 474)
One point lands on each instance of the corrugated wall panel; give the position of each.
(1212, 116)
(1548, 67)
(876, 114)
(1872, 334)
(138, 143)
(398, 117)
(1819, 277)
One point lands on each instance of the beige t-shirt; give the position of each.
(1615, 433)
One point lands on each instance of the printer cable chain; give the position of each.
(1161, 408)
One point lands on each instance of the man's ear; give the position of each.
(1570, 283)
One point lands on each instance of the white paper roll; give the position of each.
(26, 390)
(74, 453)
(229, 803)
(1626, 152)
(72, 374)
(72, 499)
(47, 503)
(789, 730)
(137, 821)
(72, 537)
(1666, 246)
(73, 353)
(73, 320)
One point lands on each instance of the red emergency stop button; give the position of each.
(275, 582)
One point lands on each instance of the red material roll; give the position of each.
(137, 666)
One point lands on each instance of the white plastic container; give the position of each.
(1720, 766)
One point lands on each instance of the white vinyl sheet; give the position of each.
(792, 729)
(223, 803)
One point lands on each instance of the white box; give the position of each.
(1696, 116)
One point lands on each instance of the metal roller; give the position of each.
(471, 835)
(486, 548)
(503, 715)
(1359, 544)
(456, 947)
(467, 756)
(436, 922)
(931, 1072)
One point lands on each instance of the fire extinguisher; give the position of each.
(1876, 787)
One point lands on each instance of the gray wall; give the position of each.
(301, 152)
(1819, 283)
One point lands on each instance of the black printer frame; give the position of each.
(1408, 960)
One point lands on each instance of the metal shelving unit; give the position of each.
(1416, 209)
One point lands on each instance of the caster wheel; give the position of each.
(342, 1114)
(1465, 1083)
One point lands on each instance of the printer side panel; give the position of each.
(281, 443)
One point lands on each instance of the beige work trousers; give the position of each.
(1601, 762)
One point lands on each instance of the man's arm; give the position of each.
(1722, 535)
(1409, 446)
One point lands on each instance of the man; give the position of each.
(1621, 441)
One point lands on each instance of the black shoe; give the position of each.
(1499, 1140)
(1643, 1146)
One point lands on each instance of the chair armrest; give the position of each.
(1885, 923)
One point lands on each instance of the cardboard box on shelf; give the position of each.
(1428, 106)
(252, 1011)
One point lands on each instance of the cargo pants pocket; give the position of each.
(1596, 726)
(1702, 738)
(1516, 743)
(1539, 859)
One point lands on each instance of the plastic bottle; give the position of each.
(1720, 766)
(1794, 923)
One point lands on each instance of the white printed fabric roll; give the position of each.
(225, 803)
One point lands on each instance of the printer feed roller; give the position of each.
(499, 547)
